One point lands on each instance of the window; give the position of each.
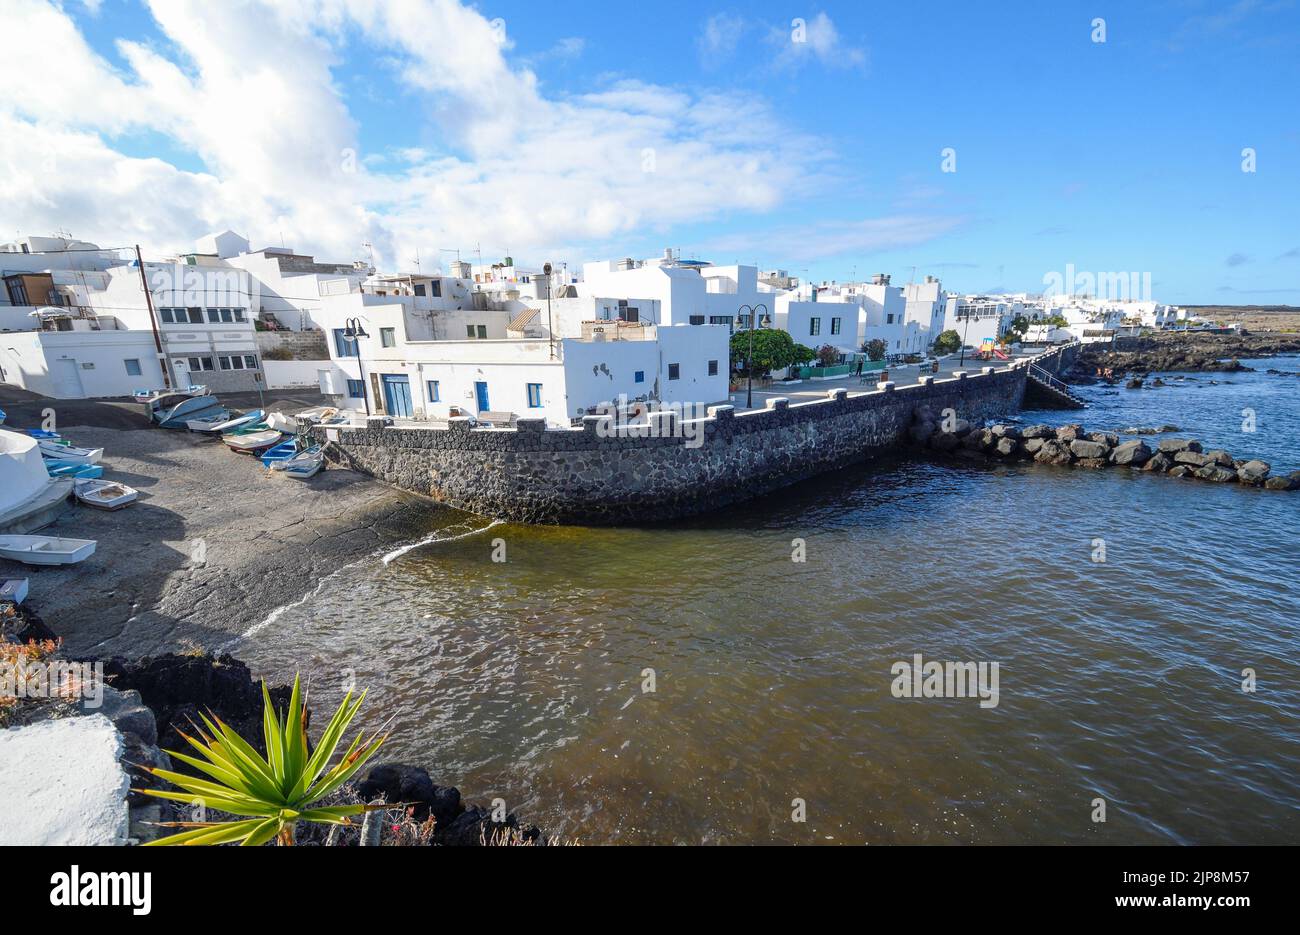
(196, 315)
(713, 368)
(437, 288)
(639, 377)
(223, 363)
(355, 389)
(469, 331)
(227, 316)
(814, 326)
(214, 315)
(697, 319)
(534, 396)
(132, 367)
(435, 393)
(482, 332)
(343, 347)
(419, 288)
(239, 314)
(674, 371)
(835, 326)
(889, 319)
(200, 363)
(250, 362)
(386, 337)
(165, 314)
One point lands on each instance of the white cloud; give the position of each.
(721, 35)
(816, 39)
(250, 91)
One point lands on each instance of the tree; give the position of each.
(802, 354)
(773, 349)
(948, 342)
(875, 349)
(827, 356)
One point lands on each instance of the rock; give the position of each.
(1007, 446)
(1031, 445)
(973, 441)
(960, 428)
(920, 432)
(1220, 457)
(1181, 470)
(1193, 458)
(1216, 473)
(1159, 462)
(1002, 430)
(1253, 473)
(1134, 383)
(1068, 433)
(1038, 431)
(1053, 452)
(1175, 445)
(398, 782)
(1081, 448)
(924, 413)
(1091, 462)
(1106, 438)
(1133, 453)
(944, 441)
(1288, 482)
(1168, 428)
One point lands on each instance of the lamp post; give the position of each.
(964, 335)
(550, 325)
(353, 333)
(749, 364)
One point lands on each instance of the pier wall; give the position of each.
(596, 475)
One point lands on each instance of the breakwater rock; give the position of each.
(1074, 445)
(1179, 352)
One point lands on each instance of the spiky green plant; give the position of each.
(274, 792)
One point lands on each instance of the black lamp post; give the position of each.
(749, 364)
(964, 335)
(352, 333)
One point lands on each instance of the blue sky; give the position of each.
(823, 157)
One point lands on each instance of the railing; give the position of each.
(1045, 376)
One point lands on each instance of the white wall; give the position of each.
(77, 364)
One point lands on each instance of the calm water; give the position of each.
(1118, 680)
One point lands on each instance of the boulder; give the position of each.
(973, 441)
(1038, 431)
(960, 427)
(1134, 383)
(1053, 452)
(1068, 433)
(1081, 448)
(1032, 445)
(1216, 473)
(1195, 459)
(1106, 438)
(1180, 470)
(944, 441)
(1007, 446)
(1001, 430)
(920, 432)
(1174, 445)
(1133, 453)
(1159, 462)
(411, 786)
(1253, 473)
(1280, 482)
(1220, 457)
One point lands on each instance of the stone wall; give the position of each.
(597, 476)
(303, 345)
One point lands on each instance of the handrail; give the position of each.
(1045, 376)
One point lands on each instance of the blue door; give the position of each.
(397, 395)
(480, 393)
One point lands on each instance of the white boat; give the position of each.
(52, 449)
(283, 423)
(253, 441)
(209, 422)
(104, 494)
(45, 550)
(316, 414)
(302, 465)
(246, 419)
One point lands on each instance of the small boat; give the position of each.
(61, 451)
(209, 423)
(308, 464)
(3, 415)
(58, 468)
(282, 422)
(253, 441)
(316, 414)
(45, 550)
(106, 495)
(196, 407)
(42, 433)
(146, 396)
(247, 418)
(281, 452)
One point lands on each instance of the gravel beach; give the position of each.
(213, 545)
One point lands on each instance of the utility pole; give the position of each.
(153, 323)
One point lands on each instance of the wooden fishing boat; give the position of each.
(307, 464)
(103, 494)
(209, 422)
(248, 418)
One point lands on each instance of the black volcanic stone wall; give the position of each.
(575, 476)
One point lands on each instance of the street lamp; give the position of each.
(550, 325)
(749, 364)
(964, 335)
(352, 333)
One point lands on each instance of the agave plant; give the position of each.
(272, 793)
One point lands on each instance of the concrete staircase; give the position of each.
(1051, 391)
